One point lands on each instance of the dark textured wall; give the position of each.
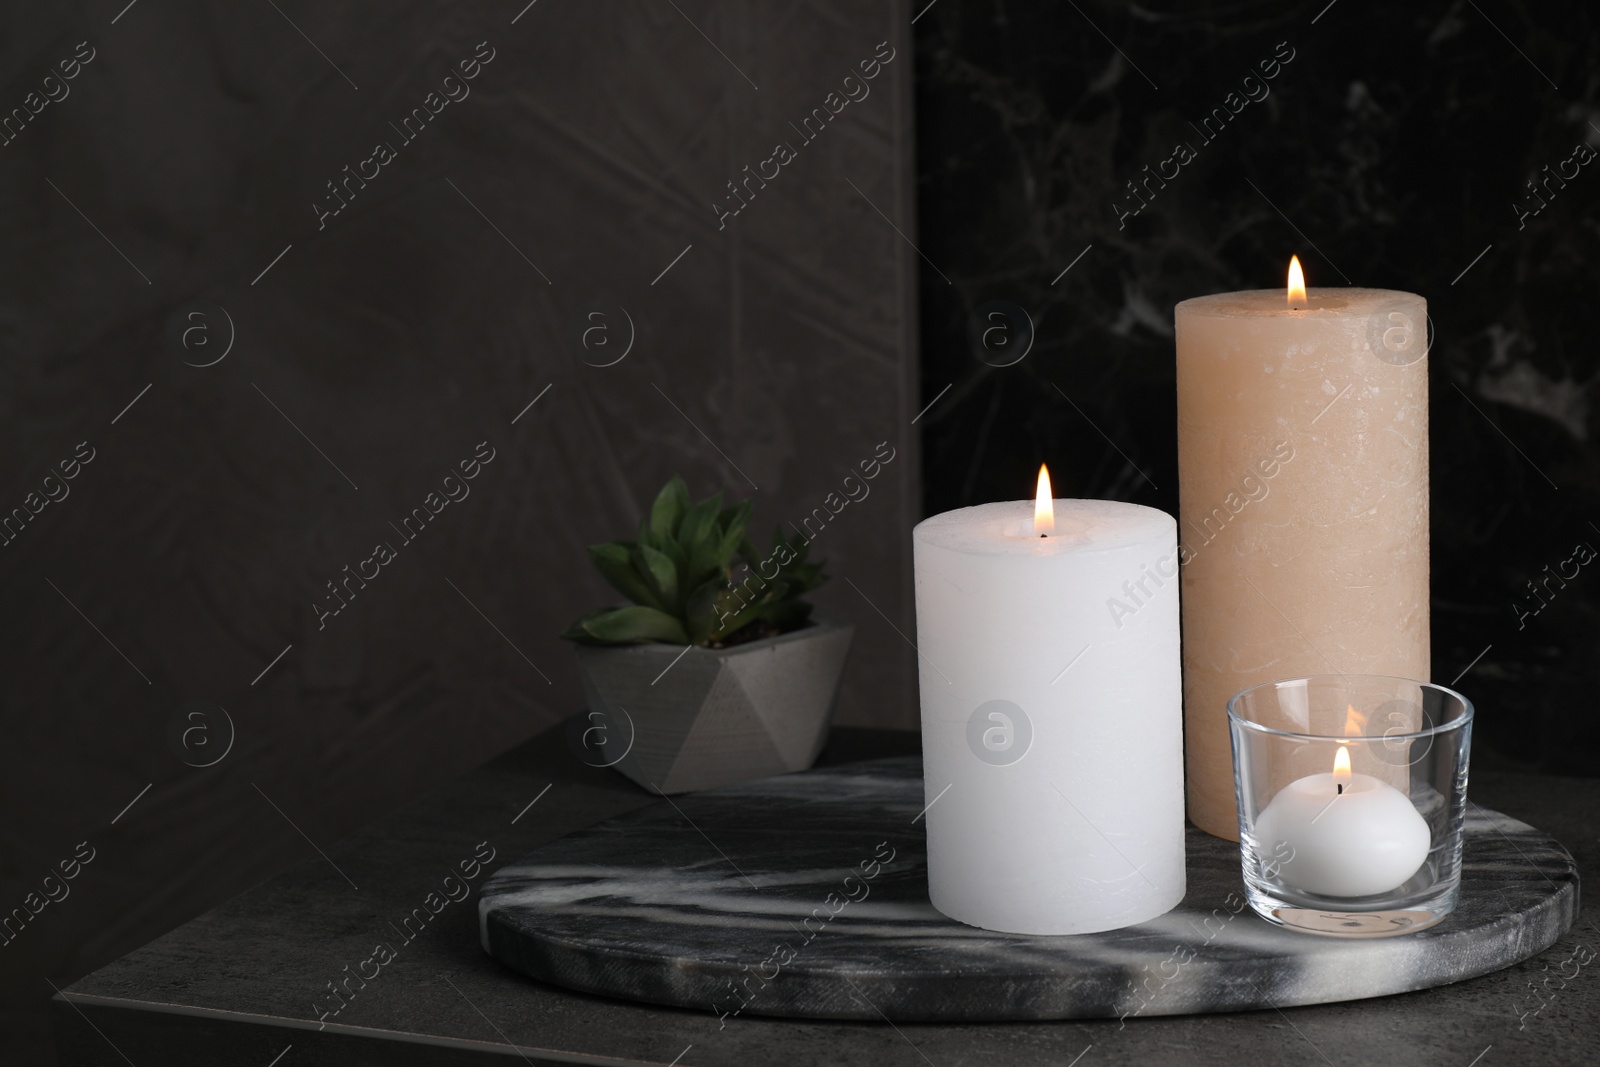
(1393, 151)
(173, 202)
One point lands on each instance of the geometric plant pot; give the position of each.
(719, 715)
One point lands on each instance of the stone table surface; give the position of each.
(250, 980)
(816, 907)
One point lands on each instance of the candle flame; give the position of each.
(1044, 511)
(1341, 768)
(1297, 283)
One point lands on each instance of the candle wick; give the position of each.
(1341, 790)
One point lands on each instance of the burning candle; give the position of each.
(1303, 469)
(1348, 835)
(1047, 638)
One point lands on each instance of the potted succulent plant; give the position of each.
(716, 672)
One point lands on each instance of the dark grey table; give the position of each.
(250, 982)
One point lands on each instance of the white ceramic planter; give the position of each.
(720, 716)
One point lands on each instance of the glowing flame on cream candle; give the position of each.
(1044, 508)
(1250, 366)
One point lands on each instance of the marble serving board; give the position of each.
(805, 895)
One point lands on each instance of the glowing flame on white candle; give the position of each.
(1297, 283)
(1044, 508)
(1341, 769)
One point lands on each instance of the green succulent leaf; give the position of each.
(658, 568)
(679, 575)
(670, 506)
(631, 625)
(711, 555)
(700, 614)
(614, 561)
(699, 523)
(733, 522)
(802, 574)
(727, 616)
(577, 633)
(680, 559)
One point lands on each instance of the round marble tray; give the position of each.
(735, 901)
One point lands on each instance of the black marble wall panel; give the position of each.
(1391, 147)
(253, 376)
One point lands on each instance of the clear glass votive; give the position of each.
(1352, 795)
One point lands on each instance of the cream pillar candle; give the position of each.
(1051, 721)
(1303, 471)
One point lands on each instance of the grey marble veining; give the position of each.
(805, 896)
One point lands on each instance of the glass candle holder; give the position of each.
(1352, 797)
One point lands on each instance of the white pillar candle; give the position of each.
(1051, 715)
(1348, 835)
